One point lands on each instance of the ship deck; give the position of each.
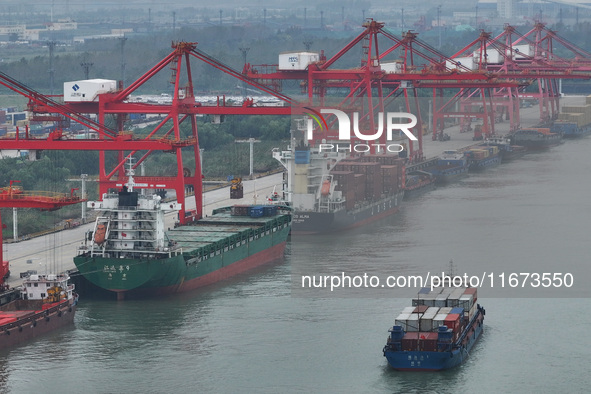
(221, 230)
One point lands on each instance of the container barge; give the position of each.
(574, 120)
(451, 166)
(437, 332)
(129, 251)
(535, 138)
(482, 157)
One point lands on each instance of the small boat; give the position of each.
(43, 304)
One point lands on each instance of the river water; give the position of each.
(262, 333)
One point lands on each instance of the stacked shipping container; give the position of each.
(453, 307)
(368, 178)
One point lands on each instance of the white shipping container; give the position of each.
(472, 311)
(425, 299)
(392, 67)
(445, 310)
(87, 90)
(408, 310)
(493, 56)
(431, 313)
(426, 325)
(412, 323)
(454, 297)
(447, 290)
(439, 320)
(521, 51)
(401, 320)
(430, 302)
(296, 60)
(461, 63)
(441, 300)
(437, 290)
(466, 301)
(457, 293)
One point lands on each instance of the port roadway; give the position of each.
(54, 252)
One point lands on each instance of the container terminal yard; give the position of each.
(489, 80)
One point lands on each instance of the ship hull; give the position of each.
(543, 141)
(479, 165)
(515, 152)
(445, 175)
(41, 323)
(307, 222)
(436, 361)
(175, 274)
(571, 130)
(420, 189)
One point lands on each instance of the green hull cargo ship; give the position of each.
(129, 252)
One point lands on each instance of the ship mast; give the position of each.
(130, 173)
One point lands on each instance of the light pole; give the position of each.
(251, 141)
(83, 178)
(439, 23)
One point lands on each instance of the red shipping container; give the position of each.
(472, 290)
(452, 321)
(420, 309)
(389, 171)
(425, 341)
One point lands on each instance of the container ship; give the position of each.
(334, 191)
(574, 121)
(43, 304)
(130, 252)
(437, 332)
(535, 138)
(450, 166)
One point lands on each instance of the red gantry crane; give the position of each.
(379, 81)
(166, 136)
(15, 197)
